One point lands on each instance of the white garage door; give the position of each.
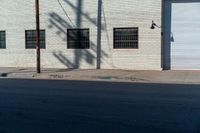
(182, 34)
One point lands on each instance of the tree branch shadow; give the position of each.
(61, 25)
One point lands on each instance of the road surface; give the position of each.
(46, 106)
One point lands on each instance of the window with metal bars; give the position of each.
(78, 39)
(2, 39)
(31, 39)
(126, 38)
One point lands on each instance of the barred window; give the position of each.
(31, 39)
(126, 38)
(78, 39)
(2, 39)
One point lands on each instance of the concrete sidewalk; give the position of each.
(179, 77)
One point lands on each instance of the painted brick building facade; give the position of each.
(57, 16)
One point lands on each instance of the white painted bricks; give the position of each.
(16, 16)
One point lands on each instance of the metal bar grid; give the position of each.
(30, 36)
(78, 39)
(126, 38)
(2, 39)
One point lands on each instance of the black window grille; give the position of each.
(2, 39)
(31, 39)
(78, 39)
(126, 38)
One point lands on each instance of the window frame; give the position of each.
(82, 29)
(4, 47)
(123, 28)
(35, 40)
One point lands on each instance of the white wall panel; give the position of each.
(183, 21)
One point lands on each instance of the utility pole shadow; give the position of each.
(61, 24)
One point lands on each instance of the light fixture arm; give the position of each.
(154, 25)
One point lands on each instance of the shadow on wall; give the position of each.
(62, 24)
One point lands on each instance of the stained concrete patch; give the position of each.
(21, 75)
(3, 74)
(106, 77)
(59, 76)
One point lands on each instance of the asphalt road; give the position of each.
(44, 106)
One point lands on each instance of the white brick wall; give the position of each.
(16, 16)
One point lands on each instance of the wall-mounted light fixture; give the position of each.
(154, 25)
